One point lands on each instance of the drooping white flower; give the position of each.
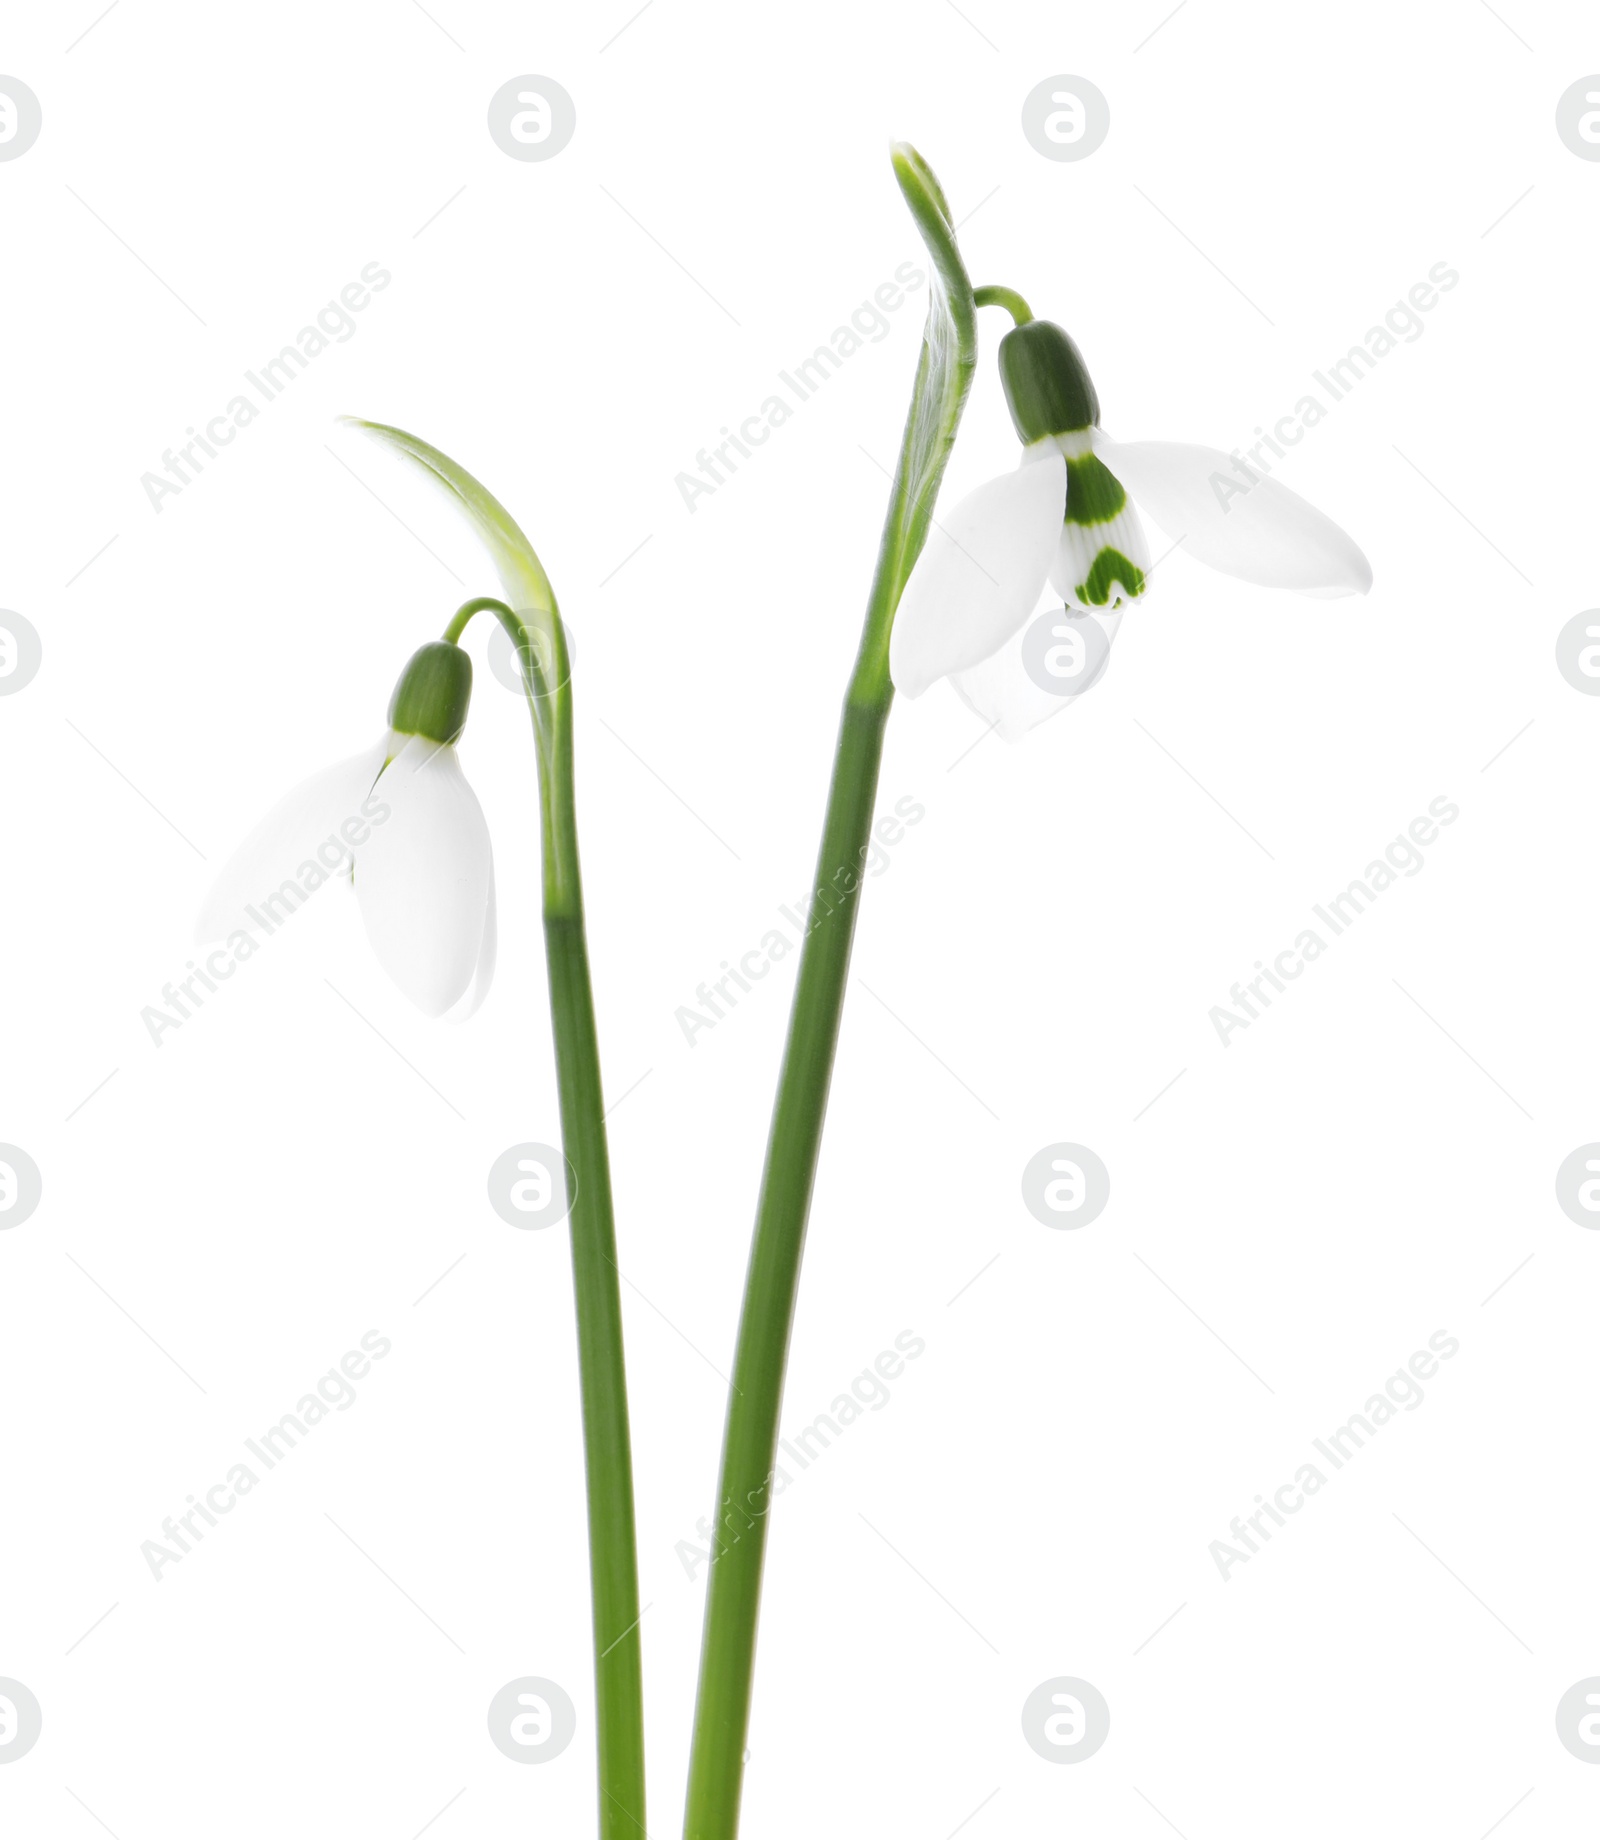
(401, 822)
(1066, 517)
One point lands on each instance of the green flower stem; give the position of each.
(613, 1568)
(727, 1664)
(607, 1448)
(530, 615)
(1005, 297)
(483, 604)
(733, 1594)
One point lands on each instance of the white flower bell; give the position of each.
(402, 822)
(1065, 517)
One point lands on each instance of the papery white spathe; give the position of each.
(969, 600)
(402, 822)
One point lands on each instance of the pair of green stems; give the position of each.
(750, 1444)
(722, 1712)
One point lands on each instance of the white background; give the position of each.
(300, 1162)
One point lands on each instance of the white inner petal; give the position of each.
(1074, 575)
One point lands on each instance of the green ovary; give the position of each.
(1110, 566)
(1094, 493)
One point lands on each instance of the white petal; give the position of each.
(980, 574)
(423, 880)
(1261, 531)
(304, 828)
(1014, 690)
(483, 977)
(1072, 572)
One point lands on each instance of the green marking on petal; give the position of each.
(1094, 493)
(1110, 566)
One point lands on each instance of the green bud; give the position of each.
(432, 695)
(1047, 384)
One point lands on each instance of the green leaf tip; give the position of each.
(526, 586)
(944, 372)
(916, 175)
(521, 572)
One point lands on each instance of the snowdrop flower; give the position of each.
(401, 822)
(1067, 516)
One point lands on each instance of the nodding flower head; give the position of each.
(1066, 518)
(400, 822)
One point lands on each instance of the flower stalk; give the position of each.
(608, 1464)
(727, 1663)
(533, 622)
(1009, 298)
